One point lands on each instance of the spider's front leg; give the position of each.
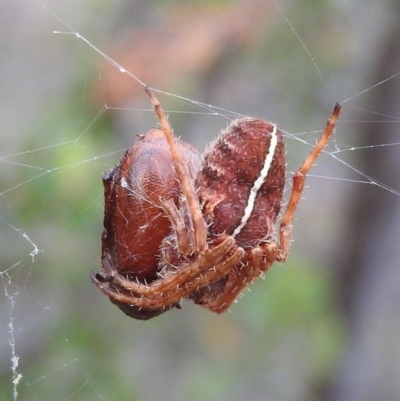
(285, 233)
(196, 221)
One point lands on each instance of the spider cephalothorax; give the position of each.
(176, 227)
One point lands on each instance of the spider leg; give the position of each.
(184, 275)
(178, 224)
(257, 261)
(198, 223)
(173, 288)
(285, 234)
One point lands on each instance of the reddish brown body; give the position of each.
(136, 225)
(134, 221)
(241, 185)
(230, 168)
(175, 229)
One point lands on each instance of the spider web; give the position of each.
(60, 131)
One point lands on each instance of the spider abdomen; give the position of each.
(241, 181)
(134, 221)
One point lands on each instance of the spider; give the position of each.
(181, 226)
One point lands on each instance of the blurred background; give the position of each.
(323, 326)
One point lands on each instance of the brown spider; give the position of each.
(180, 227)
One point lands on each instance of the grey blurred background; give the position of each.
(323, 326)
